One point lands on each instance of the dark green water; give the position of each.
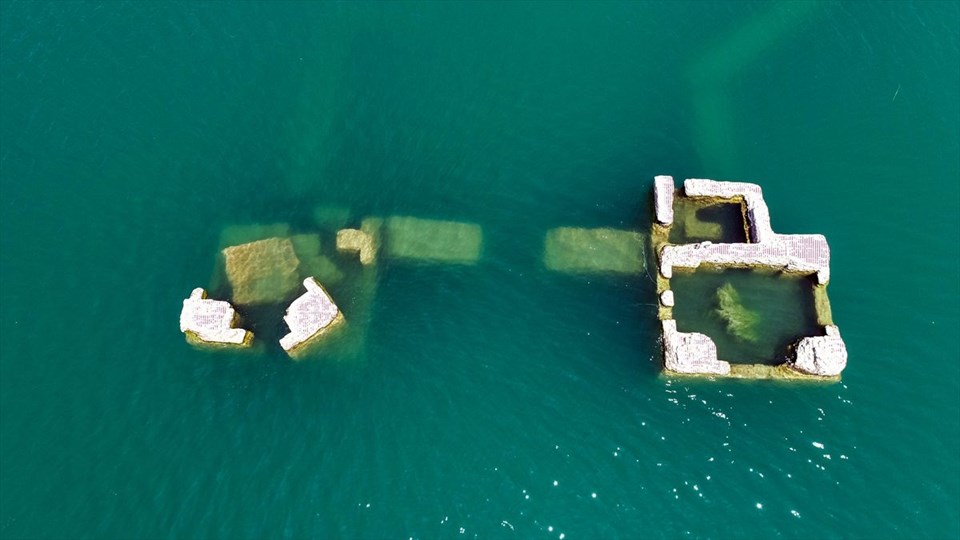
(498, 400)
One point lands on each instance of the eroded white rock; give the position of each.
(310, 316)
(821, 355)
(691, 353)
(663, 189)
(211, 321)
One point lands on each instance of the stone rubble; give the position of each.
(825, 356)
(309, 316)
(690, 353)
(211, 321)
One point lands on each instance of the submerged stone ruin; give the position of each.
(587, 251)
(260, 267)
(310, 317)
(820, 357)
(262, 272)
(212, 323)
(430, 240)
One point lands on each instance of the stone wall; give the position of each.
(690, 353)
(802, 253)
(815, 357)
(663, 189)
(211, 321)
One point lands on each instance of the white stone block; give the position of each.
(309, 315)
(211, 320)
(663, 189)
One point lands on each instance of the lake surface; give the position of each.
(490, 400)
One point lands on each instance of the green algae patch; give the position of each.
(579, 250)
(432, 240)
(741, 322)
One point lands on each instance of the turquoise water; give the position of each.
(495, 400)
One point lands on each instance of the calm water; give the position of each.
(498, 400)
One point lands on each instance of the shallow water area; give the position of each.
(782, 305)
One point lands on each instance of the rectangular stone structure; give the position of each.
(800, 253)
(812, 357)
(432, 240)
(758, 216)
(580, 250)
(663, 189)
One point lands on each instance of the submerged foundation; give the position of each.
(260, 267)
(735, 298)
(212, 323)
(719, 300)
(310, 317)
(593, 251)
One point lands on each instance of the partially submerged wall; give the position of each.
(212, 323)
(815, 357)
